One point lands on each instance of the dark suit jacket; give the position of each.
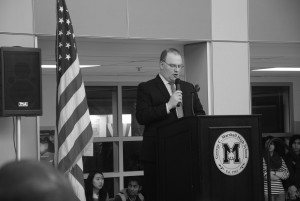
(152, 97)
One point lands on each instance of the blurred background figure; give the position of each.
(94, 187)
(47, 149)
(278, 172)
(33, 181)
(292, 160)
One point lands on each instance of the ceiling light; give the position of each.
(81, 66)
(278, 69)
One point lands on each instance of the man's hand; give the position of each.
(175, 99)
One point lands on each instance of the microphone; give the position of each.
(196, 90)
(177, 85)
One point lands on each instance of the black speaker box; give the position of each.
(21, 85)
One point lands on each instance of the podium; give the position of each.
(210, 158)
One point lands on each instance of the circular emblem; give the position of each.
(231, 153)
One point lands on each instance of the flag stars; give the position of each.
(61, 20)
(59, 57)
(61, 9)
(68, 32)
(68, 45)
(60, 45)
(68, 21)
(60, 33)
(68, 57)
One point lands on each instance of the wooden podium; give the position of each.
(210, 158)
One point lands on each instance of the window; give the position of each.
(273, 102)
(117, 135)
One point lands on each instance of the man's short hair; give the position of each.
(136, 179)
(165, 52)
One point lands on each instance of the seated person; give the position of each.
(30, 180)
(132, 192)
(94, 187)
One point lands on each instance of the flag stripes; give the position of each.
(68, 126)
(77, 170)
(69, 108)
(78, 186)
(68, 77)
(71, 147)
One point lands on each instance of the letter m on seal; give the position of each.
(231, 153)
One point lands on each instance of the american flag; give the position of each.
(73, 118)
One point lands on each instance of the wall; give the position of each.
(228, 55)
(155, 19)
(231, 79)
(274, 20)
(196, 63)
(228, 17)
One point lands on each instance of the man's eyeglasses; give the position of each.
(174, 65)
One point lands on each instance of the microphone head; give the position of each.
(177, 81)
(177, 84)
(197, 88)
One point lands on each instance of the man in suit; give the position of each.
(157, 104)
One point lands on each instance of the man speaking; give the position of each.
(162, 100)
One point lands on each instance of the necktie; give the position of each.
(179, 109)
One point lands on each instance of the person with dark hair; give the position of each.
(94, 187)
(159, 102)
(278, 172)
(30, 180)
(132, 192)
(292, 160)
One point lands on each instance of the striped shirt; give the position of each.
(276, 185)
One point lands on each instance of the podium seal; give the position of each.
(231, 153)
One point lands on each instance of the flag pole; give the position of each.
(56, 62)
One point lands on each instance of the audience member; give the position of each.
(292, 160)
(278, 172)
(28, 180)
(94, 187)
(132, 192)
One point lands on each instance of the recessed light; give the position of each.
(81, 66)
(278, 69)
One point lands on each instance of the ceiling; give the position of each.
(140, 57)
